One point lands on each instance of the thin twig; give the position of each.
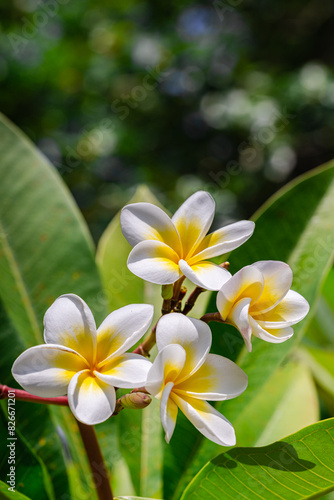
(177, 290)
(145, 347)
(166, 306)
(21, 395)
(212, 317)
(30, 398)
(192, 299)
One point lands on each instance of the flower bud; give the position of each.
(136, 400)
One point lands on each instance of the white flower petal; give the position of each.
(290, 310)
(224, 240)
(205, 274)
(239, 317)
(248, 282)
(207, 420)
(155, 262)
(127, 371)
(216, 380)
(277, 281)
(122, 329)
(145, 221)
(168, 412)
(69, 322)
(192, 334)
(166, 367)
(193, 220)
(91, 400)
(46, 370)
(275, 336)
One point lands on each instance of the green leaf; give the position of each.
(29, 471)
(321, 364)
(287, 403)
(320, 331)
(121, 286)
(45, 251)
(4, 493)
(133, 498)
(140, 437)
(296, 226)
(299, 467)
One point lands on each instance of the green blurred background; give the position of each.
(233, 97)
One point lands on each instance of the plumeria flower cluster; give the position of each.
(89, 364)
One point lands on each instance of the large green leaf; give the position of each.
(287, 403)
(121, 286)
(5, 493)
(299, 467)
(45, 251)
(321, 332)
(139, 431)
(321, 363)
(295, 226)
(29, 472)
(133, 498)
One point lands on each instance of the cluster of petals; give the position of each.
(165, 249)
(84, 362)
(258, 301)
(185, 376)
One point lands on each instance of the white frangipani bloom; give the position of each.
(258, 301)
(184, 375)
(85, 363)
(166, 249)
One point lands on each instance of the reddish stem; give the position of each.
(87, 432)
(25, 396)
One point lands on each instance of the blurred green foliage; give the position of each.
(235, 97)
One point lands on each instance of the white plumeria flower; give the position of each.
(166, 249)
(85, 363)
(184, 375)
(258, 301)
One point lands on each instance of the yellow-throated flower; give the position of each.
(184, 375)
(85, 363)
(166, 249)
(258, 301)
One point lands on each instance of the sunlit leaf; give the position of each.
(299, 467)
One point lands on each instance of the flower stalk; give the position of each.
(145, 347)
(192, 299)
(30, 398)
(212, 317)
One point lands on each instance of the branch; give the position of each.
(212, 317)
(96, 462)
(192, 299)
(30, 398)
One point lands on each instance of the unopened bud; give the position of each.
(167, 292)
(225, 265)
(135, 400)
(183, 291)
